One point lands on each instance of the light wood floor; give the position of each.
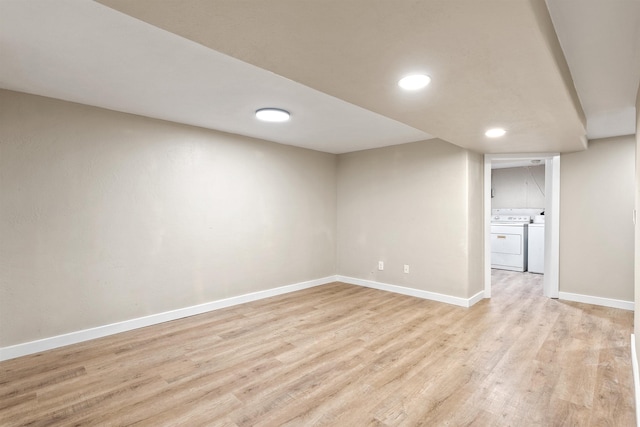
(344, 355)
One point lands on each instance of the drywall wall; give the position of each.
(475, 221)
(411, 204)
(106, 217)
(596, 216)
(637, 237)
(521, 187)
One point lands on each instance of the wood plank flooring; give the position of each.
(342, 355)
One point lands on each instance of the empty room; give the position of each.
(322, 212)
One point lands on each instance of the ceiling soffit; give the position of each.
(493, 63)
(601, 41)
(85, 52)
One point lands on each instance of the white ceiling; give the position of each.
(601, 42)
(82, 51)
(516, 163)
(335, 65)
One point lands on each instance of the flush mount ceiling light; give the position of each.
(275, 115)
(414, 81)
(495, 132)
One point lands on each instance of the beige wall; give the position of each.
(475, 227)
(418, 204)
(596, 208)
(518, 187)
(106, 216)
(637, 232)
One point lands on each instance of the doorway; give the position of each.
(552, 218)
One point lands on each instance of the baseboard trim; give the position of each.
(434, 296)
(606, 302)
(18, 350)
(476, 298)
(636, 379)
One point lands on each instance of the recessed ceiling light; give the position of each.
(414, 81)
(495, 132)
(272, 115)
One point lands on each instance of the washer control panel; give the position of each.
(511, 218)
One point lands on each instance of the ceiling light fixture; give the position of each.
(414, 81)
(495, 132)
(275, 115)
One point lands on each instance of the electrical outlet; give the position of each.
(406, 268)
(380, 265)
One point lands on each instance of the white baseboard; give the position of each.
(476, 298)
(32, 347)
(606, 302)
(434, 296)
(636, 379)
(57, 341)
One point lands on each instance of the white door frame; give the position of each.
(552, 219)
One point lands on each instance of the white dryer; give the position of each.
(509, 244)
(536, 248)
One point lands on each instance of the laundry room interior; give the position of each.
(518, 215)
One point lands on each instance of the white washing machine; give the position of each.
(509, 244)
